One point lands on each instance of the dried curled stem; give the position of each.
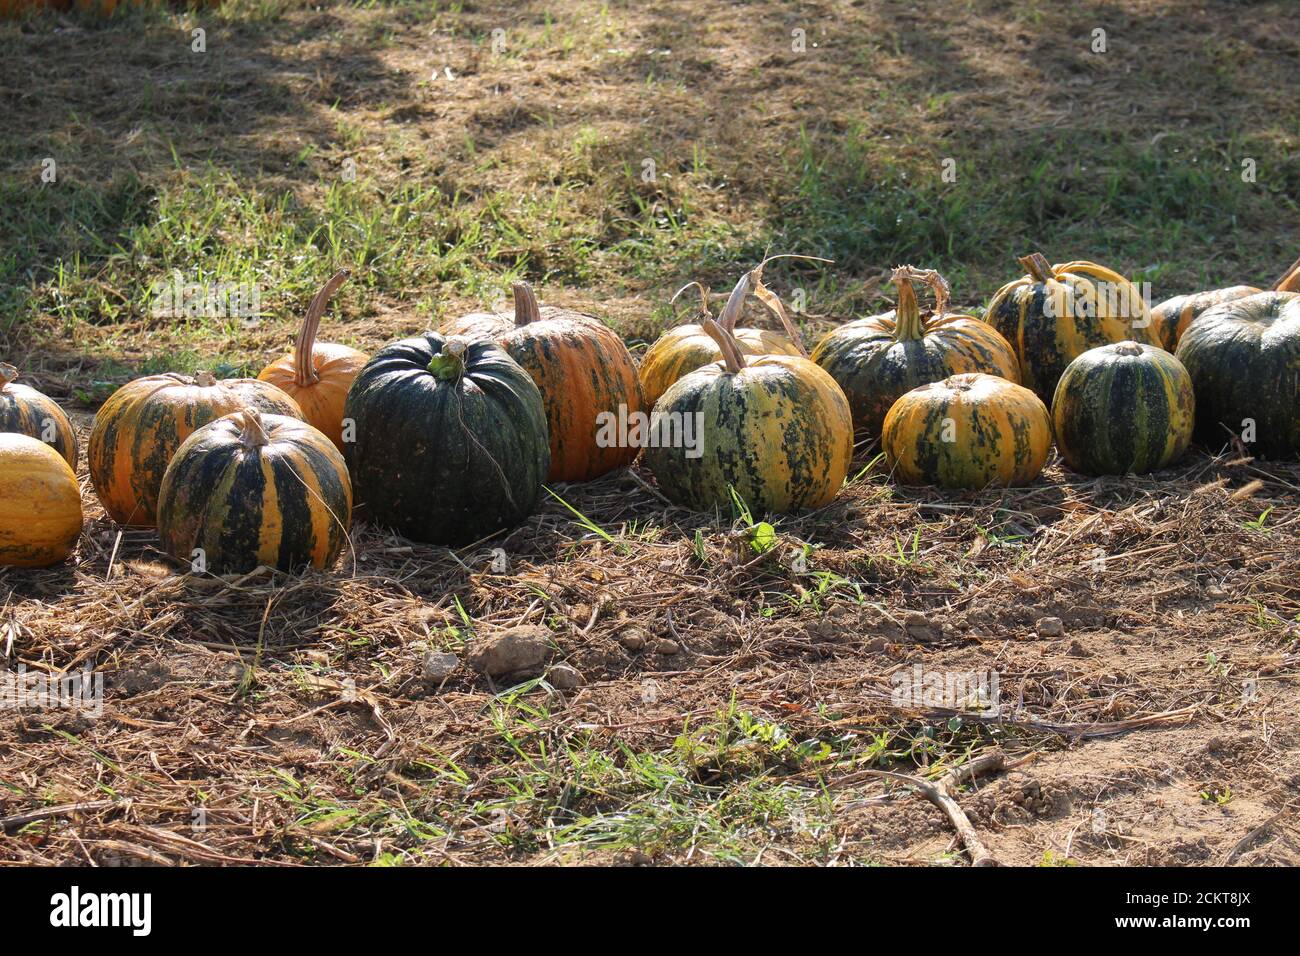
(731, 353)
(304, 367)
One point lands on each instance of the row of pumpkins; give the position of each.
(447, 437)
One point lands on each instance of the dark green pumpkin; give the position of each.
(251, 490)
(1244, 360)
(26, 411)
(449, 440)
(1123, 409)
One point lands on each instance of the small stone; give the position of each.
(514, 649)
(1076, 650)
(1215, 592)
(921, 629)
(438, 665)
(876, 645)
(667, 647)
(564, 677)
(633, 639)
(1050, 627)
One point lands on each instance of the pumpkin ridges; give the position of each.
(40, 503)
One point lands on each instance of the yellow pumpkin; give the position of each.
(683, 349)
(27, 412)
(317, 375)
(40, 503)
(968, 431)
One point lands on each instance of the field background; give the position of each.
(287, 720)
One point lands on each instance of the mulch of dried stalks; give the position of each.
(236, 709)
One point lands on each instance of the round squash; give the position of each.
(583, 370)
(1172, 317)
(451, 442)
(143, 423)
(1057, 312)
(775, 428)
(968, 431)
(317, 375)
(249, 490)
(683, 349)
(1244, 360)
(877, 359)
(27, 412)
(40, 503)
(1123, 409)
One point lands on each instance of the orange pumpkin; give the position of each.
(317, 375)
(40, 503)
(583, 370)
(1172, 317)
(143, 423)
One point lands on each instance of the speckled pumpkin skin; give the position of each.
(968, 431)
(1051, 323)
(1171, 317)
(446, 461)
(778, 431)
(1243, 357)
(26, 411)
(285, 505)
(40, 503)
(143, 423)
(683, 349)
(1123, 409)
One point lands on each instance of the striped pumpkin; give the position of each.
(317, 375)
(451, 440)
(877, 359)
(683, 349)
(1244, 360)
(1057, 312)
(249, 490)
(583, 370)
(27, 412)
(1123, 409)
(143, 423)
(40, 503)
(775, 428)
(1172, 317)
(968, 431)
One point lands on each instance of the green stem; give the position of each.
(908, 326)
(449, 364)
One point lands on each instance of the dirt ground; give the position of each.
(734, 705)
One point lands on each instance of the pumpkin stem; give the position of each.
(704, 296)
(526, 307)
(736, 303)
(7, 374)
(774, 303)
(730, 352)
(449, 364)
(1036, 265)
(1290, 281)
(205, 379)
(303, 366)
(254, 434)
(908, 326)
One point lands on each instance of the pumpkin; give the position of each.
(143, 423)
(27, 412)
(249, 490)
(317, 375)
(1172, 317)
(683, 349)
(775, 429)
(875, 360)
(451, 442)
(40, 503)
(968, 431)
(1244, 360)
(583, 370)
(1057, 312)
(1123, 409)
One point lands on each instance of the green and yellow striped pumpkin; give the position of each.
(249, 490)
(775, 428)
(1123, 409)
(143, 423)
(877, 359)
(27, 412)
(968, 431)
(1057, 312)
(1172, 317)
